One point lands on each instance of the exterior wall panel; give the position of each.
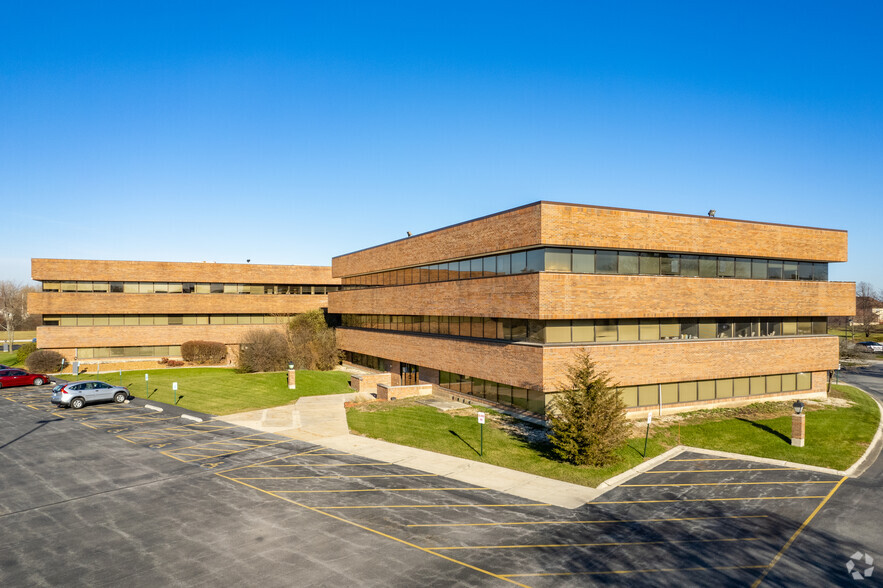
(117, 303)
(70, 337)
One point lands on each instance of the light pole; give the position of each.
(798, 425)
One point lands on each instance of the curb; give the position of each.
(873, 451)
(171, 410)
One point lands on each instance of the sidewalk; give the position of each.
(322, 420)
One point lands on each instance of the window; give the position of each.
(519, 262)
(759, 269)
(584, 261)
(669, 264)
(649, 330)
(535, 260)
(583, 330)
(558, 332)
(689, 266)
(649, 263)
(774, 270)
(605, 330)
(726, 267)
(504, 265)
(606, 262)
(707, 267)
(490, 266)
(629, 330)
(648, 395)
(742, 268)
(557, 260)
(628, 262)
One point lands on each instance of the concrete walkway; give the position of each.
(322, 420)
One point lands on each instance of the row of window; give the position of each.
(598, 261)
(655, 394)
(185, 288)
(524, 398)
(588, 331)
(137, 351)
(132, 320)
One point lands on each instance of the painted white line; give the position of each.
(191, 418)
(151, 407)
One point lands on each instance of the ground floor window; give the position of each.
(136, 351)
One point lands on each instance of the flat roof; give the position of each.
(541, 202)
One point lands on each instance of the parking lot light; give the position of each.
(798, 425)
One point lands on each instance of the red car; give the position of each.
(13, 377)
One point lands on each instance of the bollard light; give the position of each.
(798, 407)
(291, 365)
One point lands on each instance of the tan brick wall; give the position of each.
(368, 382)
(387, 392)
(70, 337)
(679, 361)
(168, 271)
(518, 365)
(590, 226)
(629, 364)
(564, 296)
(86, 303)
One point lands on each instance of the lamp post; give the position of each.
(798, 425)
(291, 384)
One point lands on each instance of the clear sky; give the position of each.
(290, 132)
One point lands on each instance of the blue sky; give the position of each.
(293, 132)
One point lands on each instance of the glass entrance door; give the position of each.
(410, 374)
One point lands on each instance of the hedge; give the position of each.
(204, 352)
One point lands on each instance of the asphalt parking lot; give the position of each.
(119, 493)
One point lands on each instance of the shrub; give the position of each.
(175, 363)
(263, 351)
(311, 343)
(204, 352)
(587, 420)
(44, 361)
(22, 353)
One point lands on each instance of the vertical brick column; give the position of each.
(798, 429)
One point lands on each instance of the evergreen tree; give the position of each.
(588, 419)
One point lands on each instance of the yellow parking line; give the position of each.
(797, 533)
(604, 521)
(252, 437)
(149, 437)
(169, 453)
(707, 499)
(90, 426)
(322, 465)
(610, 544)
(339, 477)
(728, 484)
(376, 532)
(266, 461)
(642, 571)
(423, 505)
(708, 459)
(708, 471)
(372, 490)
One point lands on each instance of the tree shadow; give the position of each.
(765, 428)
(40, 424)
(457, 435)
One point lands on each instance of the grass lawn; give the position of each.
(8, 359)
(836, 436)
(222, 391)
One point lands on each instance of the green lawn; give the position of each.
(8, 359)
(836, 437)
(222, 391)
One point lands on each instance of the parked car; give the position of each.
(871, 346)
(15, 377)
(78, 394)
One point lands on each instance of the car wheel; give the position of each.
(38, 381)
(119, 397)
(78, 403)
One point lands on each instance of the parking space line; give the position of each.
(728, 484)
(603, 521)
(424, 505)
(797, 533)
(220, 454)
(266, 461)
(323, 465)
(159, 435)
(706, 499)
(643, 571)
(90, 426)
(373, 490)
(707, 459)
(382, 534)
(609, 544)
(339, 476)
(708, 471)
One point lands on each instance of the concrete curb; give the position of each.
(170, 409)
(873, 451)
(765, 460)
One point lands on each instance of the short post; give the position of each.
(147, 385)
(175, 393)
(291, 382)
(798, 425)
(647, 435)
(481, 427)
(121, 377)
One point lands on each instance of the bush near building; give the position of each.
(587, 420)
(311, 342)
(22, 353)
(263, 351)
(44, 361)
(204, 352)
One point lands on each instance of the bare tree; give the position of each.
(866, 300)
(13, 307)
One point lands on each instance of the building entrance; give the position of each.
(410, 374)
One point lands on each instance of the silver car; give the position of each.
(78, 394)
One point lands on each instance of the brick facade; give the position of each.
(550, 223)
